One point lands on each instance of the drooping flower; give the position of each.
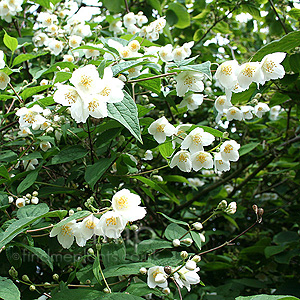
(180, 133)
(220, 164)
(185, 277)
(157, 277)
(111, 224)
(88, 227)
(65, 234)
(271, 67)
(189, 81)
(192, 102)
(248, 73)
(165, 53)
(160, 129)
(260, 109)
(202, 159)
(226, 73)
(229, 150)
(196, 139)
(29, 165)
(247, 112)
(127, 204)
(148, 155)
(274, 112)
(4, 80)
(182, 159)
(231, 208)
(233, 113)
(222, 103)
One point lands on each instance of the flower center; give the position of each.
(93, 105)
(221, 101)
(201, 157)
(182, 157)
(57, 45)
(29, 117)
(71, 97)
(111, 221)
(249, 70)
(2, 78)
(197, 138)
(122, 202)
(189, 81)
(90, 224)
(66, 230)
(233, 112)
(161, 128)
(226, 70)
(220, 162)
(86, 81)
(269, 66)
(228, 148)
(105, 92)
(260, 108)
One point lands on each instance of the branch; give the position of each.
(277, 15)
(153, 77)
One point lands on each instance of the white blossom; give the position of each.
(182, 159)
(111, 224)
(231, 208)
(30, 116)
(220, 164)
(260, 109)
(229, 150)
(248, 73)
(160, 129)
(247, 112)
(2, 62)
(201, 160)
(192, 101)
(4, 80)
(226, 73)
(157, 277)
(234, 113)
(189, 81)
(185, 277)
(65, 234)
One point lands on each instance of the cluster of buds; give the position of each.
(22, 201)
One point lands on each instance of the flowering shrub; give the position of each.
(141, 152)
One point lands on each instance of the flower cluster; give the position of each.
(10, 8)
(4, 78)
(125, 208)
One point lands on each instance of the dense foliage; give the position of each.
(149, 149)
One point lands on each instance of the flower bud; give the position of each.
(71, 212)
(222, 205)
(168, 270)
(231, 209)
(25, 278)
(55, 277)
(34, 200)
(202, 237)
(88, 281)
(106, 290)
(191, 265)
(79, 209)
(197, 225)
(166, 291)
(225, 135)
(13, 272)
(28, 196)
(32, 288)
(91, 251)
(176, 243)
(143, 271)
(134, 227)
(10, 199)
(188, 241)
(184, 254)
(98, 247)
(35, 193)
(196, 258)
(160, 278)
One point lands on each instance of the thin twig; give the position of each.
(90, 142)
(20, 99)
(153, 77)
(277, 15)
(127, 8)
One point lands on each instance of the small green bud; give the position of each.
(91, 251)
(196, 258)
(98, 247)
(32, 288)
(188, 241)
(134, 227)
(143, 271)
(79, 209)
(184, 254)
(225, 135)
(13, 272)
(55, 277)
(106, 290)
(88, 281)
(35, 194)
(25, 278)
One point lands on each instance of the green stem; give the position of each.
(100, 269)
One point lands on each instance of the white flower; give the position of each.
(179, 54)
(125, 52)
(134, 71)
(233, 113)
(260, 109)
(141, 19)
(176, 243)
(86, 80)
(30, 116)
(65, 234)
(4, 80)
(271, 67)
(229, 150)
(127, 204)
(82, 30)
(220, 164)
(111, 224)
(195, 182)
(191, 265)
(248, 73)
(20, 202)
(40, 39)
(68, 58)
(222, 103)
(29, 165)
(74, 41)
(110, 88)
(129, 19)
(116, 27)
(196, 139)
(192, 102)
(159, 24)
(134, 46)
(231, 208)
(247, 112)
(24, 131)
(187, 48)
(45, 146)
(97, 106)
(157, 277)
(148, 155)
(180, 133)
(165, 53)
(55, 46)
(186, 277)
(132, 29)
(189, 81)
(226, 73)
(201, 160)
(197, 225)
(160, 129)
(2, 62)
(88, 227)
(274, 112)
(182, 159)
(34, 200)
(46, 19)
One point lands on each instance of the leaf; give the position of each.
(24, 57)
(174, 231)
(94, 172)
(210, 130)
(126, 113)
(285, 44)
(3, 172)
(247, 148)
(10, 42)
(120, 296)
(69, 154)
(126, 269)
(125, 65)
(32, 210)
(77, 215)
(294, 13)
(156, 5)
(28, 92)
(113, 253)
(28, 181)
(47, 101)
(96, 269)
(58, 66)
(154, 85)
(147, 246)
(78, 294)
(8, 290)
(44, 3)
(202, 68)
(196, 238)
(174, 220)
(278, 99)
(267, 297)
(166, 149)
(294, 62)
(115, 6)
(175, 178)
(40, 253)
(273, 250)
(182, 15)
(62, 76)
(142, 289)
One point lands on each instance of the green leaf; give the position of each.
(8, 290)
(174, 231)
(148, 246)
(196, 238)
(44, 3)
(247, 148)
(113, 253)
(126, 113)
(94, 172)
(294, 13)
(116, 6)
(174, 220)
(182, 15)
(62, 76)
(166, 149)
(78, 294)
(28, 92)
(69, 154)
(3, 172)
(278, 99)
(28, 181)
(32, 210)
(47, 101)
(175, 178)
(40, 253)
(126, 269)
(125, 65)
(273, 250)
(120, 296)
(222, 27)
(59, 66)
(14, 256)
(154, 85)
(202, 68)
(24, 57)
(156, 5)
(285, 44)
(77, 215)
(96, 269)
(294, 61)
(10, 42)
(267, 297)
(210, 130)
(142, 289)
